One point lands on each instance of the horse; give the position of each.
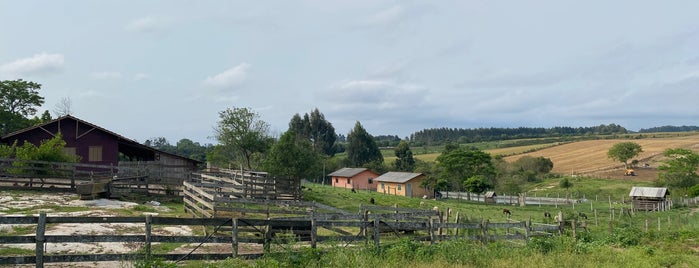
(506, 212)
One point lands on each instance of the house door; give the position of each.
(409, 190)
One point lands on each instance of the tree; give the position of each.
(292, 156)
(18, 101)
(565, 183)
(404, 157)
(242, 129)
(624, 151)
(460, 164)
(317, 129)
(679, 169)
(361, 147)
(476, 184)
(63, 107)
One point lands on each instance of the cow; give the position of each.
(547, 215)
(506, 212)
(371, 200)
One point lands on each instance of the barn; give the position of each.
(403, 184)
(650, 198)
(354, 178)
(98, 146)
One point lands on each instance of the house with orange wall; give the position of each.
(403, 184)
(354, 178)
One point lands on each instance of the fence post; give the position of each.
(596, 222)
(484, 232)
(527, 228)
(40, 239)
(376, 231)
(432, 238)
(72, 178)
(234, 223)
(572, 225)
(314, 227)
(266, 244)
(456, 220)
(149, 219)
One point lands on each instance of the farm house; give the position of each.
(650, 198)
(403, 184)
(354, 178)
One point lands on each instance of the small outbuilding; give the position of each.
(650, 198)
(354, 178)
(489, 197)
(403, 184)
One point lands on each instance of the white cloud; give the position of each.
(140, 76)
(37, 64)
(106, 75)
(229, 78)
(148, 24)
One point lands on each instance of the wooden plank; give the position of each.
(194, 206)
(199, 200)
(198, 190)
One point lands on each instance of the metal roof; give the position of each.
(649, 192)
(398, 177)
(347, 172)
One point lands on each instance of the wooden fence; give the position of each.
(272, 234)
(145, 178)
(208, 194)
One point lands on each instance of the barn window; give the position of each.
(399, 187)
(69, 151)
(94, 153)
(371, 180)
(348, 180)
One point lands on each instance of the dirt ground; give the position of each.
(98, 208)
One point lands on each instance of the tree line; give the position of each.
(439, 136)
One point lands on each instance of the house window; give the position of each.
(336, 180)
(94, 154)
(348, 180)
(399, 187)
(371, 180)
(69, 151)
(383, 186)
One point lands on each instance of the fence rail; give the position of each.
(147, 177)
(266, 232)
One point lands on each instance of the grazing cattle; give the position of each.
(547, 215)
(371, 200)
(506, 212)
(582, 215)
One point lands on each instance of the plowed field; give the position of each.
(590, 157)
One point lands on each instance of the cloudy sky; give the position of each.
(166, 68)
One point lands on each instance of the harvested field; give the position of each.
(590, 157)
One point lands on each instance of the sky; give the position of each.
(146, 69)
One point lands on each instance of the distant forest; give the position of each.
(438, 136)
(669, 129)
